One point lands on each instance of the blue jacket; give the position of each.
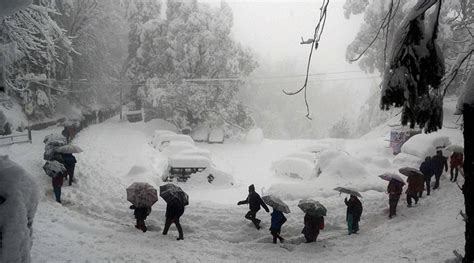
(427, 169)
(69, 160)
(278, 219)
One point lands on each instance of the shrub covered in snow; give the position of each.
(20, 194)
(422, 145)
(295, 168)
(254, 136)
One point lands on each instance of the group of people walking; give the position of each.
(174, 211)
(431, 166)
(312, 224)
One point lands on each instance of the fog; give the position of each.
(273, 30)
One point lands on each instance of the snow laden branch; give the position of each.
(318, 31)
(413, 74)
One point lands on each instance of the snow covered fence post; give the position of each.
(468, 188)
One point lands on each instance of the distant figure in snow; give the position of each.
(312, 226)
(255, 201)
(354, 211)
(69, 162)
(278, 219)
(428, 170)
(141, 213)
(57, 185)
(394, 190)
(439, 162)
(456, 161)
(174, 211)
(415, 187)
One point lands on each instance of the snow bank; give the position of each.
(17, 212)
(295, 168)
(254, 136)
(422, 145)
(310, 157)
(157, 124)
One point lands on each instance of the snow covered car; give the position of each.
(295, 168)
(197, 151)
(175, 147)
(182, 166)
(200, 134)
(19, 196)
(158, 133)
(309, 156)
(162, 141)
(216, 136)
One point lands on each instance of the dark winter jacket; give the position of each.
(456, 159)
(312, 225)
(439, 162)
(278, 219)
(69, 160)
(254, 202)
(427, 168)
(415, 184)
(174, 210)
(58, 180)
(141, 213)
(354, 208)
(394, 189)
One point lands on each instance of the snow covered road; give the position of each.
(94, 223)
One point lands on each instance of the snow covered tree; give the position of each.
(193, 42)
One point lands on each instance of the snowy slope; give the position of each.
(95, 224)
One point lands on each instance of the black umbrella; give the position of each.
(54, 168)
(174, 194)
(312, 207)
(348, 191)
(408, 171)
(276, 203)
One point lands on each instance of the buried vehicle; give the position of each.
(19, 196)
(181, 167)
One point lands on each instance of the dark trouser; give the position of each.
(413, 196)
(310, 235)
(352, 224)
(428, 184)
(70, 172)
(141, 225)
(393, 201)
(251, 215)
(178, 226)
(57, 194)
(437, 177)
(276, 235)
(456, 173)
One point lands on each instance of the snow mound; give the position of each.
(219, 178)
(254, 136)
(338, 168)
(422, 145)
(158, 124)
(189, 161)
(295, 168)
(21, 195)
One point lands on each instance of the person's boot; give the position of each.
(180, 238)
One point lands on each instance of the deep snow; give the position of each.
(95, 224)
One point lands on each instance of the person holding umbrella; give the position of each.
(278, 219)
(428, 170)
(415, 187)
(312, 225)
(353, 213)
(176, 199)
(141, 213)
(254, 201)
(174, 210)
(394, 190)
(57, 182)
(439, 162)
(456, 161)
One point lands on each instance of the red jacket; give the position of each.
(58, 181)
(456, 159)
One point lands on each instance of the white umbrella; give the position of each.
(455, 148)
(69, 148)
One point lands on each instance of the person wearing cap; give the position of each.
(255, 202)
